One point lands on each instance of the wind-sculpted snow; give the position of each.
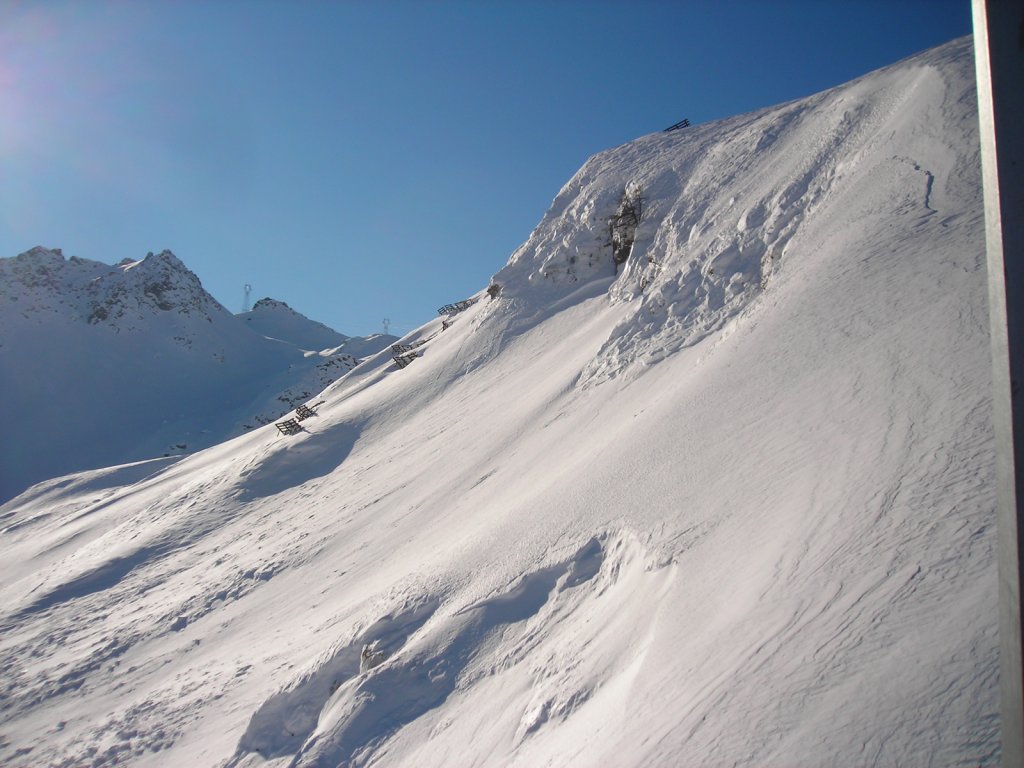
(335, 713)
(774, 547)
(305, 458)
(287, 719)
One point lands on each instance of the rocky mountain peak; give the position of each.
(42, 281)
(268, 303)
(158, 282)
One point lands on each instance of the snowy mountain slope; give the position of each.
(104, 364)
(662, 515)
(700, 255)
(276, 320)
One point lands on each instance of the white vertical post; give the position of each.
(999, 62)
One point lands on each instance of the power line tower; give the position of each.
(387, 325)
(248, 297)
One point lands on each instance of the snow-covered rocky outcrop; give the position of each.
(726, 503)
(103, 364)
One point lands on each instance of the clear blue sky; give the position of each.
(362, 160)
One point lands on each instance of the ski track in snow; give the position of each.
(730, 504)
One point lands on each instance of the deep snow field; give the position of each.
(731, 506)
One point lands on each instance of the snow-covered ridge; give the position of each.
(725, 204)
(276, 320)
(774, 547)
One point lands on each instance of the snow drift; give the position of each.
(729, 503)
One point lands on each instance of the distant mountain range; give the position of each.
(105, 364)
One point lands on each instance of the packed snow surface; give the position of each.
(728, 505)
